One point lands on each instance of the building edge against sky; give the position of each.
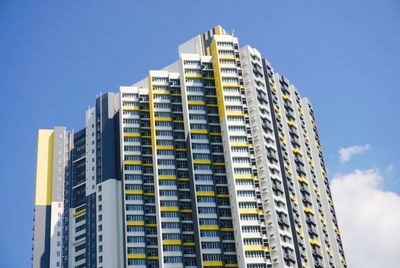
(213, 161)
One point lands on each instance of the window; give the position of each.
(194, 89)
(207, 210)
(193, 80)
(172, 248)
(200, 146)
(230, 80)
(132, 250)
(134, 218)
(203, 177)
(204, 188)
(159, 79)
(191, 62)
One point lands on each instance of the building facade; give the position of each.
(212, 161)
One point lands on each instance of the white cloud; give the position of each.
(347, 153)
(369, 219)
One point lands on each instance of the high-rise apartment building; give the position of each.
(213, 161)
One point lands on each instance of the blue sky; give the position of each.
(55, 56)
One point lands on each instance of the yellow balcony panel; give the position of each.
(151, 225)
(243, 176)
(152, 258)
(215, 134)
(297, 151)
(163, 119)
(223, 195)
(199, 131)
(336, 231)
(145, 110)
(176, 94)
(248, 211)
(186, 211)
(212, 105)
(171, 242)
(79, 213)
(300, 234)
(196, 103)
(178, 121)
(136, 256)
(202, 161)
(255, 248)
(167, 177)
(135, 223)
(130, 108)
(226, 229)
(134, 192)
(213, 263)
(309, 211)
(317, 191)
(183, 179)
(148, 165)
(234, 113)
(169, 209)
(231, 265)
(219, 164)
(209, 227)
(133, 162)
(205, 194)
(292, 124)
(134, 134)
(165, 147)
(303, 180)
(181, 149)
(226, 57)
(315, 242)
(149, 194)
(160, 92)
(193, 76)
(287, 98)
(239, 144)
(231, 84)
(246, 178)
(189, 244)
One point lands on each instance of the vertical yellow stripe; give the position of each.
(152, 120)
(218, 81)
(44, 167)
